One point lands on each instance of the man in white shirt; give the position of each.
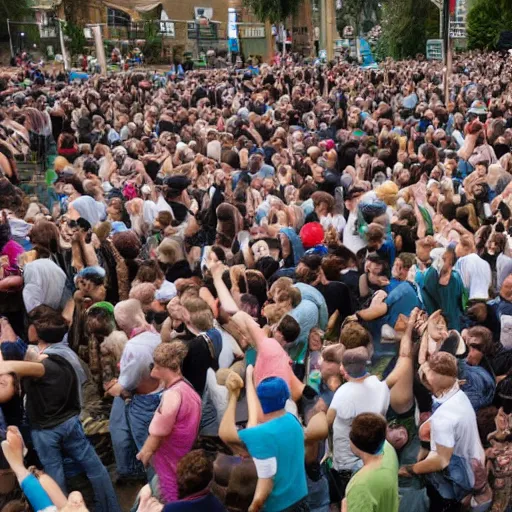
(455, 447)
(475, 272)
(361, 393)
(351, 238)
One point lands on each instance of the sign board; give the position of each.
(233, 45)
(251, 32)
(458, 30)
(435, 49)
(88, 33)
(167, 28)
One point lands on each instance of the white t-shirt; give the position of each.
(453, 425)
(351, 399)
(337, 221)
(476, 275)
(350, 240)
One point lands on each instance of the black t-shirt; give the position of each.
(196, 363)
(54, 398)
(337, 296)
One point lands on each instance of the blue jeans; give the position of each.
(129, 425)
(69, 438)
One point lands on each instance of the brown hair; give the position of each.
(375, 233)
(444, 364)
(48, 323)
(354, 335)
(45, 237)
(368, 432)
(195, 472)
(484, 335)
(323, 197)
(332, 266)
(407, 258)
(149, 272)
(468, 242)
(170, 355)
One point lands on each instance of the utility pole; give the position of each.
(63, 46)
(323, 24)
(269, 41)
(10, 38)
(447, 50)
(331, 20)
(100, 49)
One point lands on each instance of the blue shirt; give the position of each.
(402, 300)
(282, 438)
(387, 251)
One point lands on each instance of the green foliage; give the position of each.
(407, 25)
(77, 41)
(362, 15)
(274, 11)
(486, 20)
(13, 10)
(153, 46)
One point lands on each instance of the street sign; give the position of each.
(435, 49)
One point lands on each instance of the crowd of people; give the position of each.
(283, 288)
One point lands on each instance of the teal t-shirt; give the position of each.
(282, 438)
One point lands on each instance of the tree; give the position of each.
(407, 25)
(362, 15)
(485, 22)
(18, 10)
(77, 41)
(274, 11)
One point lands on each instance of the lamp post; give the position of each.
(22, 35)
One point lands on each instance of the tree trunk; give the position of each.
(269, 41)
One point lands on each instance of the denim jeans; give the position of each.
(129, 425)
(69, 438)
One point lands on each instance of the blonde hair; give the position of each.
(201, 315)
(170, 355)
(283, 289)
(388, 192)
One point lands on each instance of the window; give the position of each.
(117, 18)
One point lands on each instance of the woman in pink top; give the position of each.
(9, 248)
(175, 425)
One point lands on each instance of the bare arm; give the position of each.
(11, 283)
(23, 369)
(150, 447)
(247, 323)
(227, 429)
(373, 312)
(226, 299)
(263, 489)
(435, 461)
(405, 352)
(253, 404)
(331, 416)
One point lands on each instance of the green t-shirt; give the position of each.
(375, 490)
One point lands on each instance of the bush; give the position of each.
(486, 20)
(77, 41)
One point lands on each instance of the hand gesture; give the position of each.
(234, 383)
